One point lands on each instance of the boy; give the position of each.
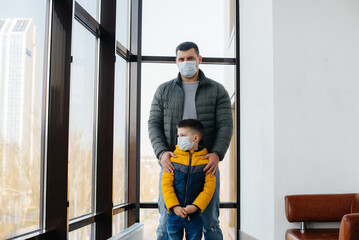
(188, 190)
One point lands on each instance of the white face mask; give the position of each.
(187, 68)
(184, 144)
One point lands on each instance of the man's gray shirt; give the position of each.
(189, 108)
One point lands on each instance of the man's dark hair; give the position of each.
(193, 124)
(187, 46)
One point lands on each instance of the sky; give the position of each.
(27, 9)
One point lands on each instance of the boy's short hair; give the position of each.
(193, 124)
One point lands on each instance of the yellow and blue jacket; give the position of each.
(188, 184)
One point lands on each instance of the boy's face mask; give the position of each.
(188, 68)
(184, 144)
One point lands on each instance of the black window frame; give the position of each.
(54, 204)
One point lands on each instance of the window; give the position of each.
(227, 222)
(85, 233)
(58, 87)
(152, 76)
(119, 223)
(120, 133)
(121, 118)
(82, 125)
(168, 23)
(22, 64)
(91, 6)
(150, 219)
(224, 74)
(212, 29)
(122, 22)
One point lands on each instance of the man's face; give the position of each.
(189, 55)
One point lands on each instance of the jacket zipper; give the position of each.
(188, 172)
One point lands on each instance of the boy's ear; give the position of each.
(196, 138)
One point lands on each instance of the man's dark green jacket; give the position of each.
(214, 111)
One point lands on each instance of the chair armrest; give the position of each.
(349, 227)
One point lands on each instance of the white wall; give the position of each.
(257, 172)
(316, 99)
(299, 106)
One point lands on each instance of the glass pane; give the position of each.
(119, 138)
(84, 233)
(225, 75)
(227, 222)
(82, 120)
(210, 27)
(122, 22)
(119, 223)
(228, 175)
(91, 6)
(152, 76)
(150, 173)
(22, 49)
(150, 219)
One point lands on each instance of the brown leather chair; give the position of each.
(323, 208)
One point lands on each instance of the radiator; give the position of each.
(135, 232)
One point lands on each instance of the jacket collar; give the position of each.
(201, 150)
(201, 78)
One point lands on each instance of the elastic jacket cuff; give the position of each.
(219, 155)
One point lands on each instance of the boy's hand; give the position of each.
(190, 209)
(166, 161)
(180, 211)
(212, 164)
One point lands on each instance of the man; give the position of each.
(191, 95)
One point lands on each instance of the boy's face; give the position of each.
(187, 132)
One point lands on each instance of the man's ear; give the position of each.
(200, 59)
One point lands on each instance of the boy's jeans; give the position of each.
(176, 225)
(210, 215)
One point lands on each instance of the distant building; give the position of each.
(19, 82)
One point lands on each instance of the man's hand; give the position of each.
(166, 161)
(190, 209)
(180, 211)
(212, 165)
